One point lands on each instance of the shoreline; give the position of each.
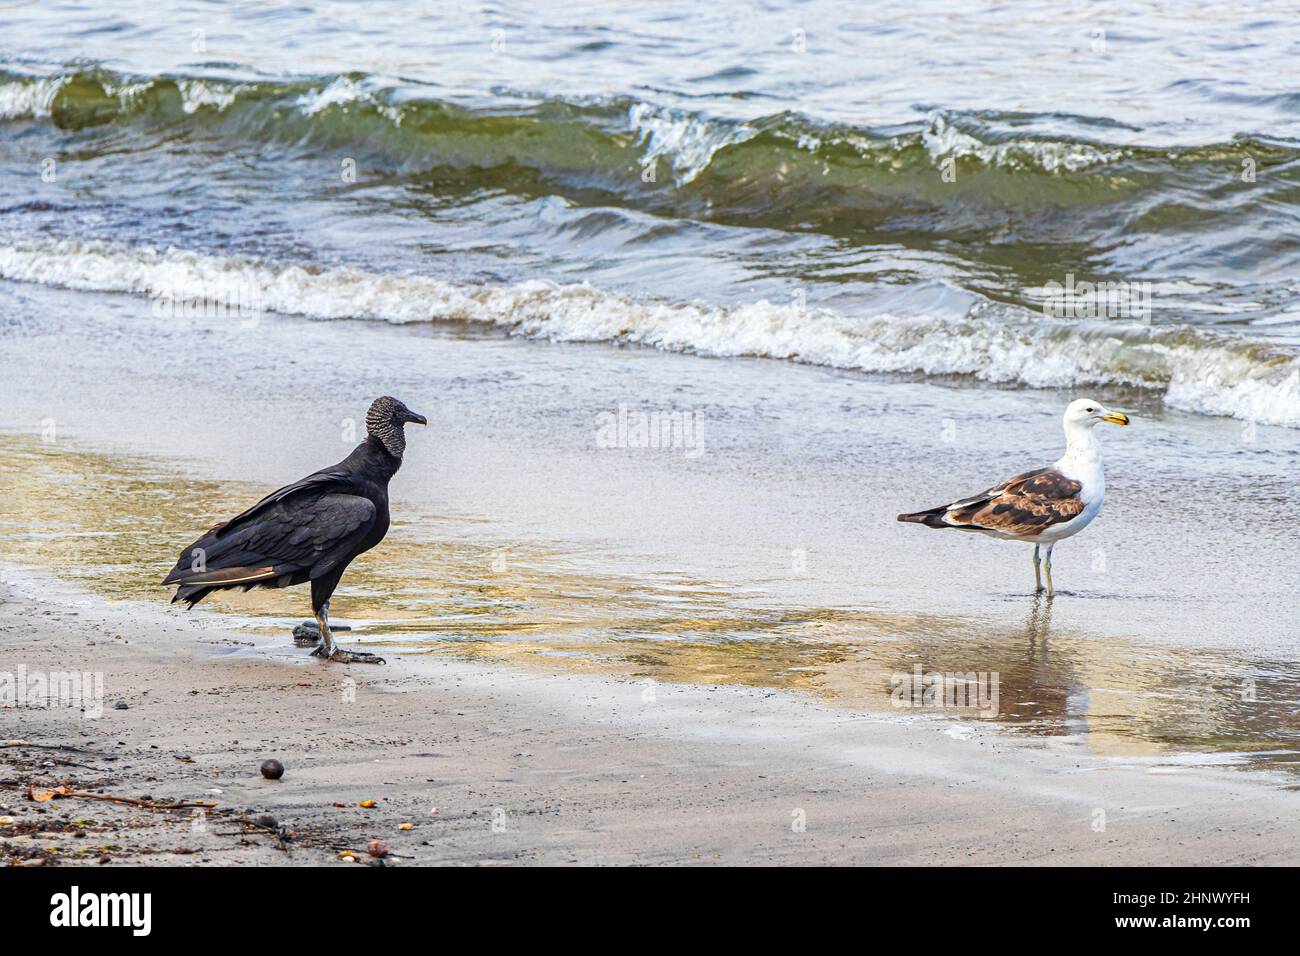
(539, 769)
(1128, 671)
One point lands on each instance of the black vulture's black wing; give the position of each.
(320, 482)
(302, 530)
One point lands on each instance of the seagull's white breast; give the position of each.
(1090, 475)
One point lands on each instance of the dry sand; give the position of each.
(529, 768)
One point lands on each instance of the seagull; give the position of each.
(1043, 506)
(307, 531)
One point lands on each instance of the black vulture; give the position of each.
(307, 531)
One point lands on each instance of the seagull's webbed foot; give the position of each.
(343, 656)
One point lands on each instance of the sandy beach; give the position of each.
(527, 769)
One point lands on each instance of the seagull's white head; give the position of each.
(1084, 412)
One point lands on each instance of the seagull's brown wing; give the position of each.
(1023, 506)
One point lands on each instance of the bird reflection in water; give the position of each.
(1038, 624)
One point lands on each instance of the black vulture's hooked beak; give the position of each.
(418, 419)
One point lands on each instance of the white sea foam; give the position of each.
(1196, 370)
(196, 94)
(685, 140)
(28, 99)
(340, 91)
(943, 141)
(33, 98)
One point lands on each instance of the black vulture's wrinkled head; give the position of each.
(384, 422)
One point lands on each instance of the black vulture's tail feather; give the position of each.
(192, 594)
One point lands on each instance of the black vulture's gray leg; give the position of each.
(307, 634)
(331, 651)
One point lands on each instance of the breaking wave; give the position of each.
(1195, 370)
(792, 160)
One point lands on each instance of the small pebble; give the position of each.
(5, 821)
(121, 705)
(268, 821)
(272, 769)
(377, 848)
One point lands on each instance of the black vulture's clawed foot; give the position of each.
(343, 656)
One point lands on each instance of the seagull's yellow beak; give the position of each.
(1115, 418)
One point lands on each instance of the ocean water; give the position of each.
(870, 254)
(910, 190)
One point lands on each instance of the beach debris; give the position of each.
(267, 821)
(308, 632)
(377, 849)
(6, 821)
(405, 826)
(184, 758)
(367, 804)
(121, 705)
(28, 743)
(272, 769)
(44, 795)
(37, 795)
(347, 856)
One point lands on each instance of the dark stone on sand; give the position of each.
(121, 705)
(272, 769)
(307, 633)
(309, 627)
(268, 821)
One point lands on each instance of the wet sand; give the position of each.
(524, 768)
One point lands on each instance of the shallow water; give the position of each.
(100, 520)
